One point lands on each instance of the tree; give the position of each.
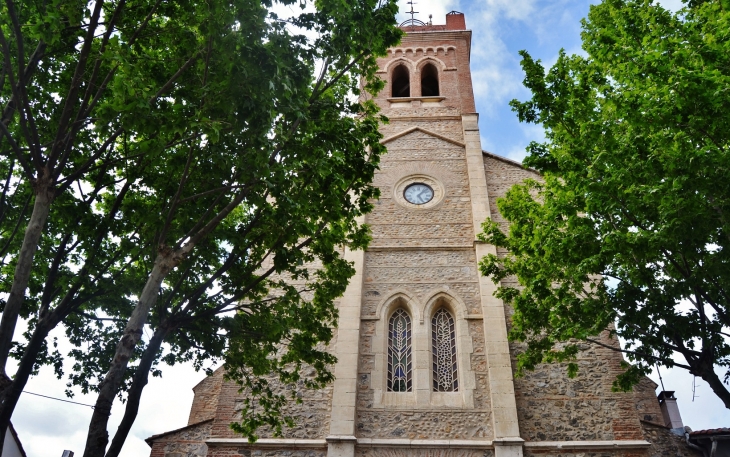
(630, 228)
(173, 163)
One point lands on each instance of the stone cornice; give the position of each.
(434, 444)
(588, 445)
(430, 444)
(269, 443)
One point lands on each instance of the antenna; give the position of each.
(660, 377)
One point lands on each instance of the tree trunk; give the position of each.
(38, 218)
(706, 370)
(98, 437)
(135, 392)
(11, 393)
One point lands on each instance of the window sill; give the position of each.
(413, 99)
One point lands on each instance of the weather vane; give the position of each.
(412, 21)
(412, 12)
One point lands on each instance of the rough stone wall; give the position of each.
(664, 443)
(426, 423)
(205, 401)
(552, 406)
(384, 452)
(311, 416)
(233, 451)
(188, 442)
(583, 453)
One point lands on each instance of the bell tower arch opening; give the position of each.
(429, 81)
(401, 82)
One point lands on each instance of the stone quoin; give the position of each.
(424, 367)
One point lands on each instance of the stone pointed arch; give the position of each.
(399, 297)
(444, 297)
(430, 59)
(400, 61)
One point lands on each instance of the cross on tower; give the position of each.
(412, 21)
(411, 12)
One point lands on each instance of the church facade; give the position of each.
(424, 364)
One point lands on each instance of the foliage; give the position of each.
(630, 227)
(181, 168)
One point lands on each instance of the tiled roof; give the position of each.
(160, 435)
(711, 431)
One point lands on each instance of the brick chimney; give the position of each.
(455, 21)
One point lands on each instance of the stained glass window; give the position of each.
(443, 337)
(399, 352)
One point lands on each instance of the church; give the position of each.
(424, 364)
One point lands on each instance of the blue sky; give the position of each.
(500, 29)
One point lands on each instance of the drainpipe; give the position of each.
(698, 448)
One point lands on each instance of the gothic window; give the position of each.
(401, 82)
(429, 81)
(399, 352)
(443, 337)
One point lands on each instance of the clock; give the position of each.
(418, 193)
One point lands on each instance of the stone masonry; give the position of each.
(423, 258)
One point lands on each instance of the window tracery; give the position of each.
(443, 337)
(399, 352)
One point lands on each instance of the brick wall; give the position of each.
(205, 401)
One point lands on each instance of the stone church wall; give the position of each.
(551, 406)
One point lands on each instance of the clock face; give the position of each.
(418, 193)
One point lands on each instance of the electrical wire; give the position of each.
(59, 399)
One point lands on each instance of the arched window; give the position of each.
(401, 82)
(429, 81)
(443, 337)
(399, 352)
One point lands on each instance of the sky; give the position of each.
(500, 28)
